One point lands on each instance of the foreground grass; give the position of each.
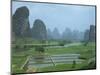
(80, 49)
(19, 57)
(62, 67)
(86, 52)
(17, 62)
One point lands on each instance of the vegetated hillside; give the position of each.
(20, 22)
(39, 31)
(21, 29)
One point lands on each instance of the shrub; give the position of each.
(39, 49)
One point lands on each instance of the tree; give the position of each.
(39, 53)
(74, 64)
(39, 49)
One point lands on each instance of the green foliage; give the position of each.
(62, 43)
(39, 49)
(85, 43)
(90, 65)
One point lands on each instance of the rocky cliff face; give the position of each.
(20, 22)
(39, 31)
(92, 33)
(86, 35)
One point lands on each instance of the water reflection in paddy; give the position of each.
(54, 60)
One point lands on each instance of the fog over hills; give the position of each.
(59, 16)
(70, 22)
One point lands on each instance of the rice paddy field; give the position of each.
(53, 57)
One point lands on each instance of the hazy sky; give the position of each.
(59, 16)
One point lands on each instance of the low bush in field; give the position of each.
(63, 42)
(39, 49)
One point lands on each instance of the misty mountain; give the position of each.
(86, 35)
(92, 33)
(55, 34)
(89, 34)
(77, 35)
(67, 34)
(74, 35)
(39, 31)
(81, 36)
(20, 22)
(49, 34)
(21, 28)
